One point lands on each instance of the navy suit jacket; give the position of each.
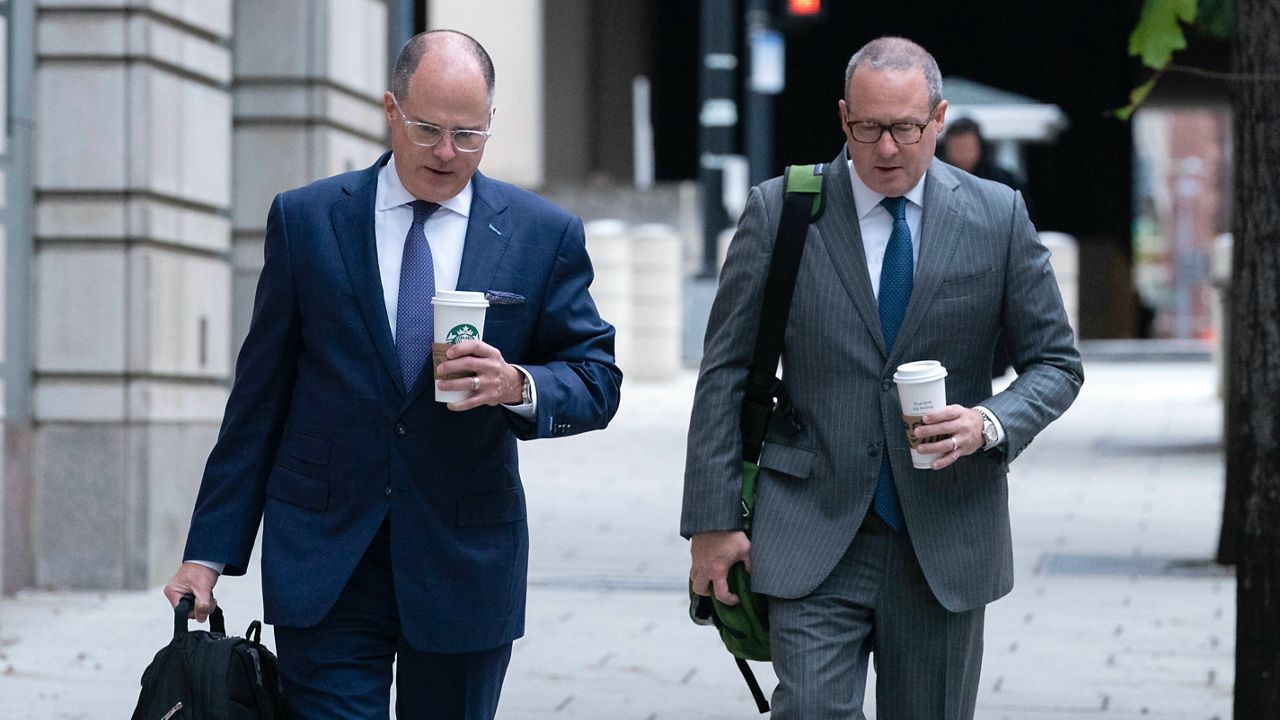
(320, 440)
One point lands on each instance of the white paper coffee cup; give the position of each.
(922, 388)
(459, 316)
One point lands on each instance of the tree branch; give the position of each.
(1216, 75)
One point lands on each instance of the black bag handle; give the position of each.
(217, 623)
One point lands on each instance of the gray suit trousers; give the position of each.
(875, 603)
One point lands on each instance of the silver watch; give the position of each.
(526, 391)
(989, 433)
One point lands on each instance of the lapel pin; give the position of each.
(491, 227)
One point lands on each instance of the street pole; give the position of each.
(717, 120)
(759, 119)
(399, 29)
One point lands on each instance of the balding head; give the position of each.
(448, 46)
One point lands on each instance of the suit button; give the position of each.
(887, 385)
(400, 430)
(873, 449)
(388, 492)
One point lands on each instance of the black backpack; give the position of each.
(205, 675)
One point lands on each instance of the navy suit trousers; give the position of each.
(342, 667)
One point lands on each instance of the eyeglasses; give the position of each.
(903, 133)
(428, 135)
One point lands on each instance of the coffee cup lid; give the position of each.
(919, 371)
(467, 298)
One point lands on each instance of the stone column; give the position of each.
(132, 300)
(309, 78)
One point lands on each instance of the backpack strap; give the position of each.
(762, 703)
(801, 204)
(807, 179)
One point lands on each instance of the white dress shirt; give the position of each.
(876, 224)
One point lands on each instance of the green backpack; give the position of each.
(744, 628)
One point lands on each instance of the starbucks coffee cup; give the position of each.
(459, 316)
(922, 388)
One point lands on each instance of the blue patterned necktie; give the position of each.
(895, 290)
(415, 321)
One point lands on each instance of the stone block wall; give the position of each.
(132, 294)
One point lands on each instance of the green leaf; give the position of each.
(1158, 34)
(1217, 18)
(1136, 96)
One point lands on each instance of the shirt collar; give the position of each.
(392, 193)
(865, 199)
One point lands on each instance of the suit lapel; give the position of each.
(352, 219)
(841, 235)
(938, 228)
(488, 234)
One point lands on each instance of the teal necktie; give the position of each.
(895, 291)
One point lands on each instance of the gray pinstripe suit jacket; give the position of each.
(981, 269)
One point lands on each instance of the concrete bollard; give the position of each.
(610, 248)
(657, 308)
(1065, 258)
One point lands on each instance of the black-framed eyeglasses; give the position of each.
(428, 135)
(903, 133)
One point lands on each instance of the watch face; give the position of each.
(989, 432)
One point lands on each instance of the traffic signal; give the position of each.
(800, 14)
(809, 9)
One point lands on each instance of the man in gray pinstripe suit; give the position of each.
(904, 579)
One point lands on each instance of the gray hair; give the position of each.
(895, 53)
(411, 57)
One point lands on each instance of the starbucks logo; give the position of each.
(462, 332)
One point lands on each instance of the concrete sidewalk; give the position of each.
(1112, 616)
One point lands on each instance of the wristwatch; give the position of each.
(989, 434)
(526, 391)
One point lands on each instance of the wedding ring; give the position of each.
(954, 445)
(475, 383)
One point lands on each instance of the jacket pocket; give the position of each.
(295, 488)
(309, 448)
(787, 459)
(984, 281)
(491, 508)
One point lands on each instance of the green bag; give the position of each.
(744, 628)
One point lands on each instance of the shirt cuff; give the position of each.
(994, 421)
(214, 566)
(529, 410)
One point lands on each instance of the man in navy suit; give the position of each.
(393, 526)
